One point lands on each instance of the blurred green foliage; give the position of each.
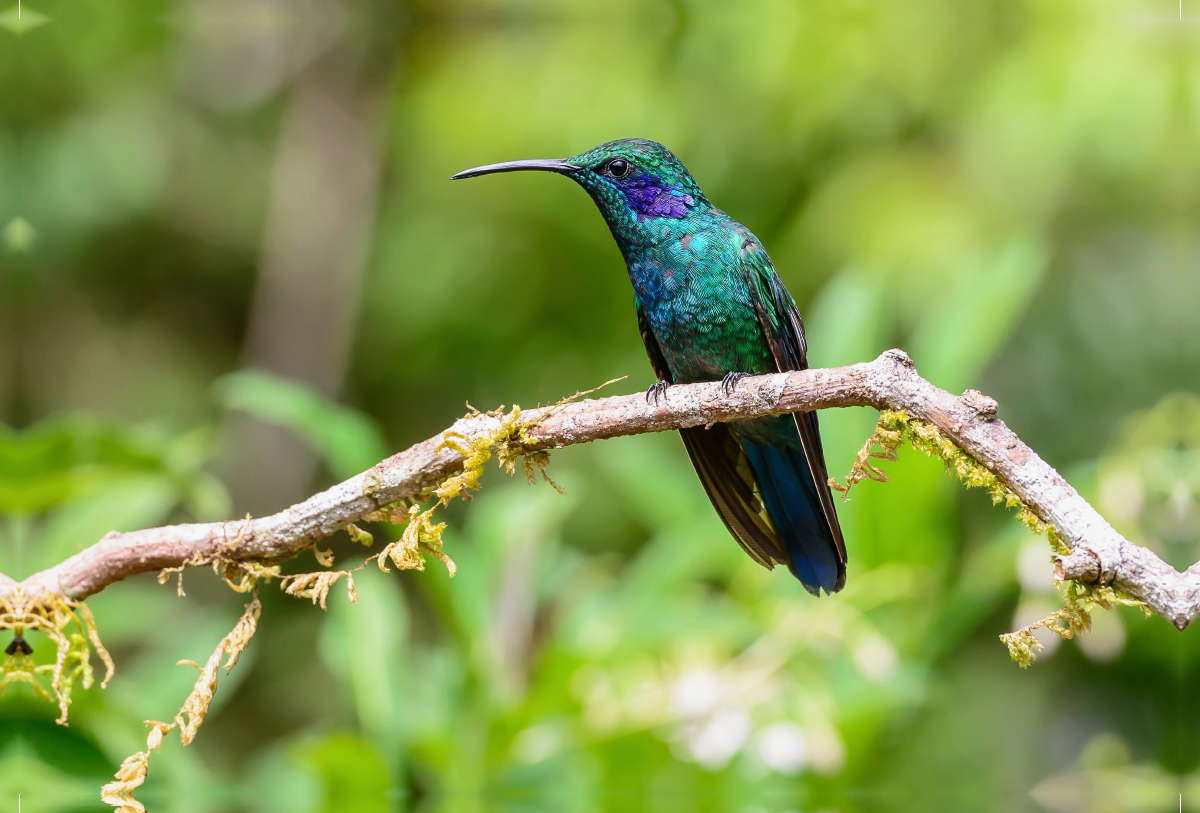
(1005, 189)
(347, 440)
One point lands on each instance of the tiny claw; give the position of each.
(730, 381)
(657, 390)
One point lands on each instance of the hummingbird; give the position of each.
(710, 307)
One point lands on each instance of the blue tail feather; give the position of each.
(792, 503)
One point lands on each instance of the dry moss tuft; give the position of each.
(509, 442)
(191, 715)
(132, 773)
(70, 627)
(316, 586)
(359, 535)
(133, 770)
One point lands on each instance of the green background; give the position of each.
(1007, 190)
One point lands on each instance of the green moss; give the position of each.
(509, 442)
(1074, 618)
(895, 427)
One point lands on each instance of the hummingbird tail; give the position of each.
(794, 506)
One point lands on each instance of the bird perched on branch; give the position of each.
(711, 308)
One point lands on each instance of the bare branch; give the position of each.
(1099, 554)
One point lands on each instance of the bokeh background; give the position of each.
(233, 271)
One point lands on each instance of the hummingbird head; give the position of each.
(636, 183)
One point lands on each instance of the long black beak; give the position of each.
(543, 164)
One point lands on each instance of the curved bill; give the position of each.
(542, 164)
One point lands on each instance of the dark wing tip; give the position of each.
(841, 579)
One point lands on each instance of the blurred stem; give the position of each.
(319, 222)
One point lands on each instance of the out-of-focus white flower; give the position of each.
(1180, 500)
(539, 742)
(875, 658)
(599, 635)
(1106, 640)
(1034, 570)
(782, 747)
(1121, 496)
(715, 742)
(826, 751)
(696, 693)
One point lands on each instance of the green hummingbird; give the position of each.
(710, 307)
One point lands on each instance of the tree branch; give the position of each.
(1099, 553)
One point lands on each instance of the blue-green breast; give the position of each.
(690, 286)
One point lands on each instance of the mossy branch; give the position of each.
(896, 426)
(1098, 553)
(963, 431)
(419, 538)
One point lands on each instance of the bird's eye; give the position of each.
(617, 168)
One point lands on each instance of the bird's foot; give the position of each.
(730, 381)
(657, 390)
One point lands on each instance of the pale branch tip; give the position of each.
(1099, 555)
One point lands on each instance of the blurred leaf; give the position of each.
(121, 504)
(41, 786)
(208, 500)
(19, 235)
(987, 578)
(63, 459)
(654, 478)
(365, 645)
(508, 548)
(848, 323)
(353, 772)
(284, 780)
(347, 440)
(1106, 782)
(954, 341)
(30, 732)
(20, 20)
